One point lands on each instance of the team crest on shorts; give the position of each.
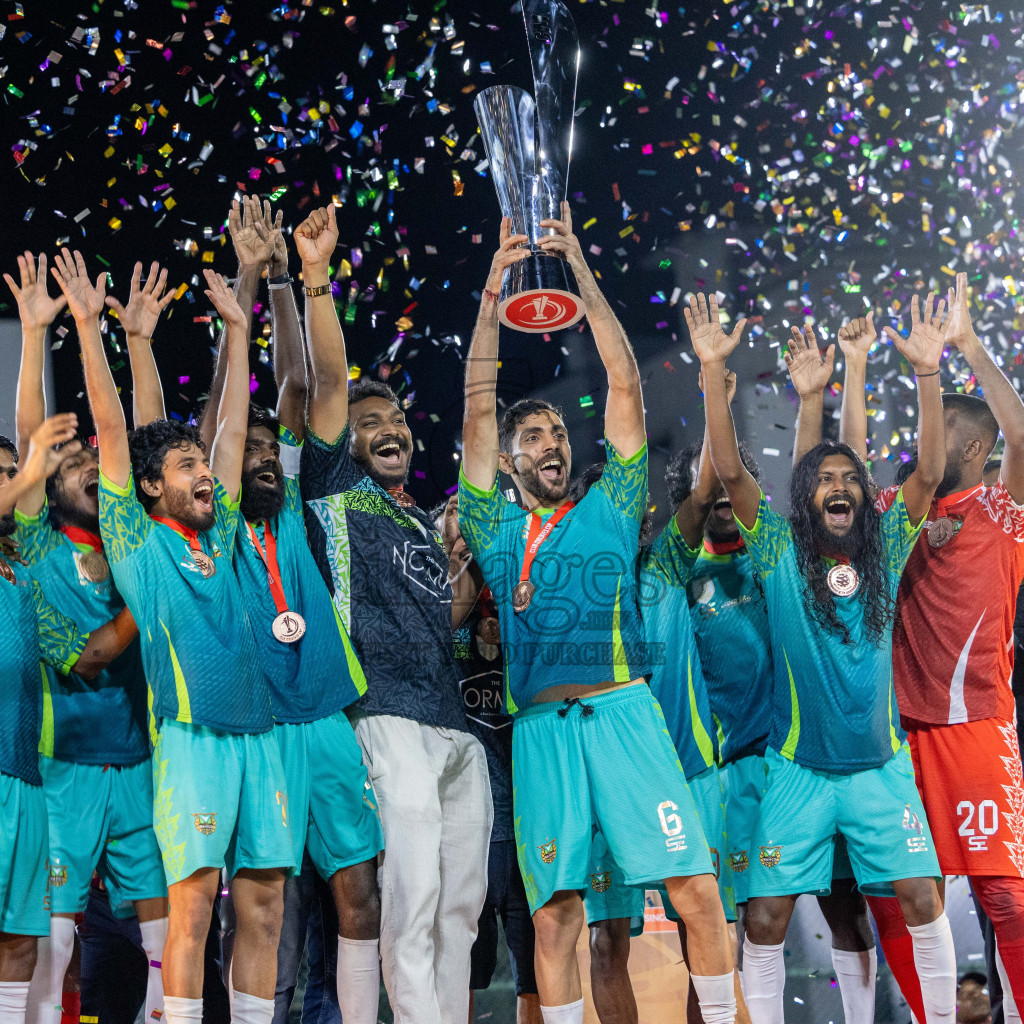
(771, 855)
(739, 862)
(58, 876)
(206, 823)
(601, 881)
(548, 851)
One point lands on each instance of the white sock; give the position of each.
(935, 961)
(154, 935)
(13, 1001)
(764, 979)
(570, 1013)
(358, 980)
(247, 1009)
(39, 987)
(716, 994)
(856, 973)
(62, 946)
(1011, 1015)
(178, 1010)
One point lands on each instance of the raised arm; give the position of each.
(27, 490)
(923, 350)
(289, 353)
(139, 319)
(37, 310)
(856, 337)
(713, 346)
(695, 508)
(1002, 399)
(624, 410)
(810, 372)
(86, 302)
(253, 247)
(315, 241)
(479, 417)
(233, 412)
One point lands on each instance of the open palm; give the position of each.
(703, 320)
(145, 303)
(36, 307)
(252, 238)
(809, 370)
(85, 300)
(923, 347)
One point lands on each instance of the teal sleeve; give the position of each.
(291, 452)
(898, 535)
(292, 497)
(480, 514)
(624, 481)
(35, 537)
(669, 558)
(229, 516)
(60, 642)
(768, 540)
(124, 524)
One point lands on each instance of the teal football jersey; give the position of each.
(834, 705)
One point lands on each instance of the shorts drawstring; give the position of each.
(585, 709)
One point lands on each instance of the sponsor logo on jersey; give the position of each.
(206, 823)
(911, 822)
(770, 855)
(601, 881)
(548, 851)
(739, 862)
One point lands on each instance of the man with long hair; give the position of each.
(830, 572)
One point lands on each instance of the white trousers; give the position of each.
(434, 798)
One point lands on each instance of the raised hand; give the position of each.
(959, 330)
(145, 302)
(923, 348)
(710, 342)
(856, 337)
(44, 458)
(317, 237)
(563, 241)
(809, 370)
(223, 298)
(36, 308)
(507, 254)
(251, 237)
(279, 255)
(85, 300)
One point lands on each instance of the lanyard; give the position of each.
(185, 532)
(270, 561)
(725, 547)
(82, 538)
(946, 503)
(539, 532)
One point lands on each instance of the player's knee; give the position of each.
(919, 900)
(609, 947)
(18, 956)
(1003, 900)
(766, 922)
(556, 927)
(696, 899)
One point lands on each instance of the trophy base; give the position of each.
(540, 310)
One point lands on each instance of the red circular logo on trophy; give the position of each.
(538, 311)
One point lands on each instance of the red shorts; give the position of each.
(969, 777)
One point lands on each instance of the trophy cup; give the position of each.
(528, 143)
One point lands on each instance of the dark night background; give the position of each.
(803, 159)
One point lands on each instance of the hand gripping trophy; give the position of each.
(529, 142)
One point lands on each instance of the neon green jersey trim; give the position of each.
(700, 734)
(180, 688)
(619, 659)
(46, 731)
(789, 747)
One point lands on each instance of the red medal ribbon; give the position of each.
(946, 503)
(83, 538)
(185, 532)
(269, 557)
(725, 547)
(539, 532)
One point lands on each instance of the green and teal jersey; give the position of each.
(319, 674)
(730, 622)
(583, 625)
(31, 631)
(102, 721)
(677, 680)
(833, 703)
(200, 657)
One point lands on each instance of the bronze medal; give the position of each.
(522, 595)
(843, 580)
(289, 627)
(204, 563)
(6, 571)
(93, 566)
(489, 631)
(941, 532)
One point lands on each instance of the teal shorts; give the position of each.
(101, 818)
(608, 897)
(878, 811)
(24, 904)
(607, 763)
(331, 807)
(219, 800)
(743, 781)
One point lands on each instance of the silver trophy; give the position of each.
(528, 143)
